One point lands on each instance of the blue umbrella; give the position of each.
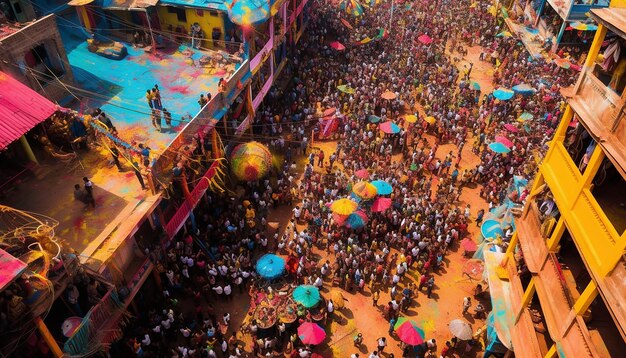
(383, 187)
(374, 119)
(475, 85)
(270, 266)
(503, 94)
(307, 295)
(356, 220)
(499, 147)
(523, 89)
(490, 229)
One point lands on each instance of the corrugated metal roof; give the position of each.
(21, 109)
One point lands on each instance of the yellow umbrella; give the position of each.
(343, 206)
(430, 119)
(411, 118)
(365, 190)
(337, 298)
(388, 95)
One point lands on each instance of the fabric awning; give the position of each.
(128, 4)
(10, 269)
(21, 109)
(500, 298)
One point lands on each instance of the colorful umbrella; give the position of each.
(523, 89)
(249, 12)
(362, 173)
(460, 329)
(468, 245)
(356, 220)
(381, 204)
(337, 46)
(475, 85)
(504, 34)
(504, 140)
(499, 147)
(583, 26)
(307, 295)
(365, 190)
(343, 206)
(330, 111)
(409, 332)
(525, 117)
(346, 89)
(388, 95)
(425, 39)
(511, 128)
(311, 333)
(374, 119)
(490, 229)
(382, 187)
(389, 127)
(503, 94)
(250, 161)
(270, 266)
(430, 120)
(346, 24)
(410, 118)
(563, 63)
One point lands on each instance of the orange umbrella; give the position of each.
(388, 95)
(343, 206)
(364, 190)
(411, 118)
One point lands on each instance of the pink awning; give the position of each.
(21, 109)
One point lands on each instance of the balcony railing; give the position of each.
(597, 104)
(531, 239)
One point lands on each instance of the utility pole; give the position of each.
(152, 42)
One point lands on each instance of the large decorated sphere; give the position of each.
(250, 161)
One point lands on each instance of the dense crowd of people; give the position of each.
(215, 259)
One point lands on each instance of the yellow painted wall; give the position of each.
(618, 3)
(207, 22)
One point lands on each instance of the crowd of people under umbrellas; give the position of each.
(424, 220)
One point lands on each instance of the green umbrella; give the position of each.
(307, 295)
(374, 119)
(346, 89)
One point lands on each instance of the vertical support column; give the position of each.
(581, 305)
(28, 150)
(592, 54)
(560, 35)
(528, 296)
(592, 167)
(555, 238)
(559, 135)
(47, 336)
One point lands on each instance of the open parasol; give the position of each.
(430, 120)
(475, 85)
(511, 128)
(525, 117)
(337, 46)
(373, 119)
(563, 63)
(337, 298)
(460, 329)
(410, 118)
(356, 220)
(270, 266)
(389, 127)
(364, 190)
(343, 206)
(409, 332)
(503, 94)
(346, 89)
(504, 140)
(311, 333)
(425, 39)
(329, 112)
(388, 95)
(499, 148)
(469, 245)
(382, 187)
(381, 204)
(307, 295)
(523, 89)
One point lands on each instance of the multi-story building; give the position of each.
(31, 49)
(570, 279)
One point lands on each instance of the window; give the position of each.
(181, 15)
(214, 13)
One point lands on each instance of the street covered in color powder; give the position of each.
(334, 178)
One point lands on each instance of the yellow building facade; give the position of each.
(179, 19)
(589, 142)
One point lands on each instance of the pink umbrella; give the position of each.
(329, 112)
(337, 46)
(381, 204)
(425, 39)
(362, 173)
(511, 128)
(311, 333)
(504, 140)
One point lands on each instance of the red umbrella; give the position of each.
(381, 204)
(362, 173)
(425, 39)
(468, 245)
(337, 46)
(346, 24)
(311, 333)
(511, 128)
(330, 112)
(504, 140)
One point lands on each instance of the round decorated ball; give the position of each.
(250, 161)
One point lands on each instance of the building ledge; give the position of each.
(530, 238)
(613, 290)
